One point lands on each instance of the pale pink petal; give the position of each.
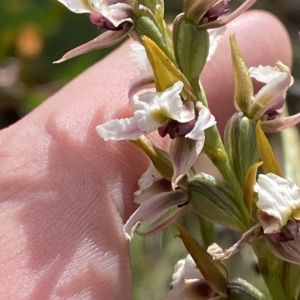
(149, 211)
(169, 104)
(159, 186)
(105, 40)
(183, 153)
(140, 82)
(124, 129)
(188, 282)
(164, 223)
(75, 5)
(264, 73)
(205, 120)
(278, 201)
(147, 179)
(215, 36)
(287, 251)
(272, 96)
(279, 124)
(230, 17)
(139, 58)
(117, 13)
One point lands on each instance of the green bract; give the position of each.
(214, 202)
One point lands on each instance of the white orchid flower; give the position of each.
(272, 96)
(188, 282)
(279, 220)
(278, 201)
(151, 111)
(156, 199)
(117, 17)
(117, 12)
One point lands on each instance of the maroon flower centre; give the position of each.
(215, 12)
(288, 233)
(104, 23)
(174, 128)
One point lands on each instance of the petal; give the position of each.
(147, 179)
(105, 40)
(150, 210)
(76, 6)
(218, 253)
(205, 120)
(271, 97)
(215, 36)
(278, 201)
(168, 104)
(230, 17)
(124, 129)
(188, 282)
(279, 124)
(140, 82)
(183, 153)
(139, 58)
(171, 105)
(264, 73)
(169, 220)
(156, 188)
(288, 251)
(116, 13)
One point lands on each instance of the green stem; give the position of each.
(215, 150)
(208, 232)
(270, 267)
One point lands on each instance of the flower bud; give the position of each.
(240, 289)
(240, 144)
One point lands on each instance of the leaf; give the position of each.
(213, 271)
(243, 92)
(165, 72)
(249, 184)
(266, 153)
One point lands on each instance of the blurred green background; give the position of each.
(34, 33)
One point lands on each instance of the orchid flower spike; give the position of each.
(212, 13)
(188, 282)
(117, 17)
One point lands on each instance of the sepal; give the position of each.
(105, 40)
(270, 163)
(165, 71)
(243, 92)
(146, 24)
(214, 202)
(191, 46)
(240, 145)
(213, 271)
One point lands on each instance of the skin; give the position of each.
(65, 193)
